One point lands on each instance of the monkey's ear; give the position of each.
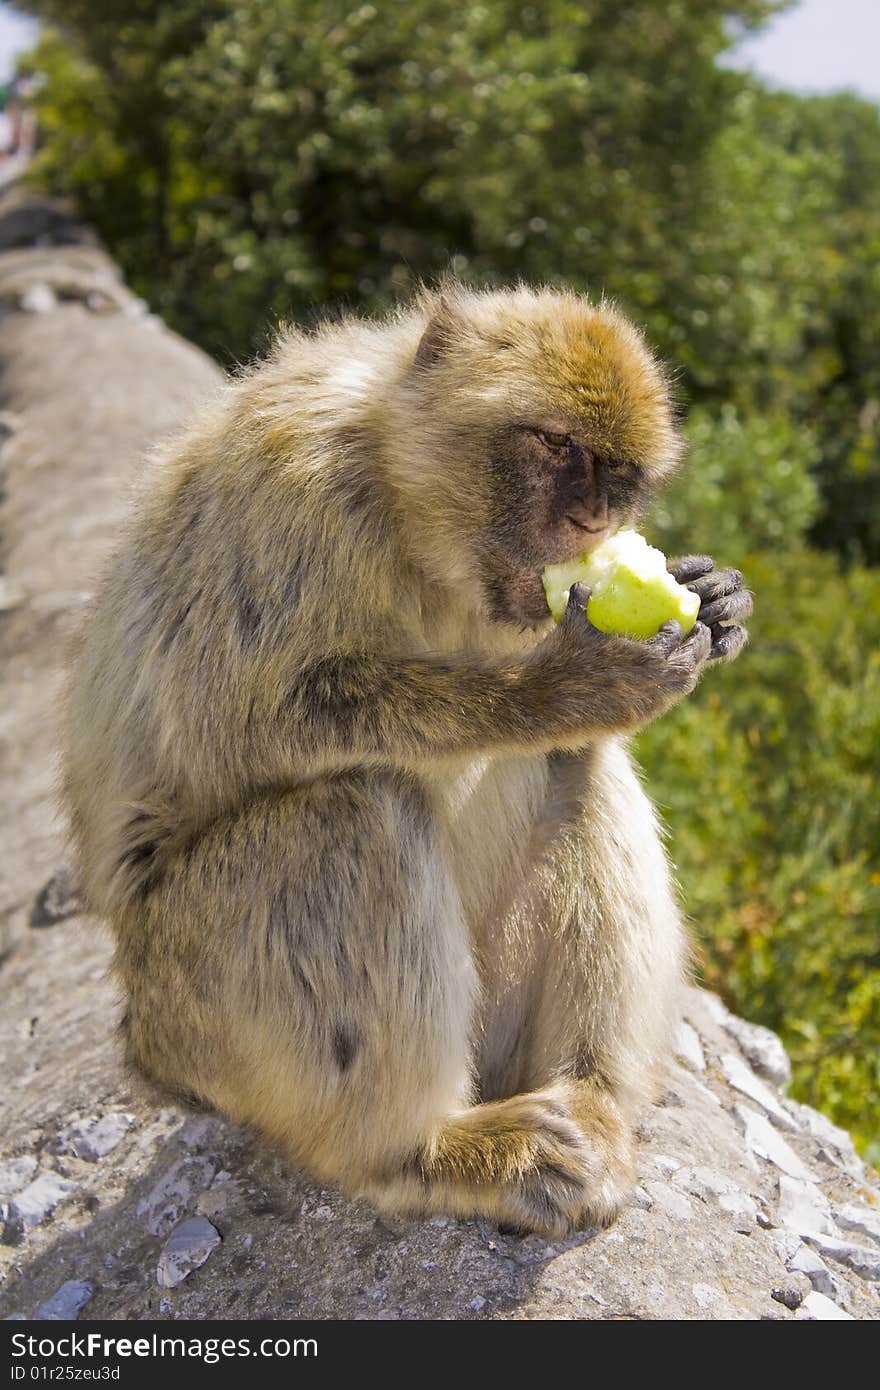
(436, 339)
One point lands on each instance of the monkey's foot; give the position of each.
(526, 1162)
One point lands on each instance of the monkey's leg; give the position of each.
(305, 967)
(610, 950)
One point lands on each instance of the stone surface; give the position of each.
(859, 1217)
(816, 1307)
(803, 1207)
(688, 1048)
(173, 1194)
(832, 1137)
(743, 1079)
(39, 1199)
(16, 1173)
(761, 1048)
(94, 1138)
(806, 1261)
(763, 1141)
(82, 393)
(862, 1259)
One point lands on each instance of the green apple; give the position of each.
(631, 590)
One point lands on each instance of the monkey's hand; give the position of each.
(608, 682)
(724, 603)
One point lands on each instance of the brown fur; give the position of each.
(382, 879)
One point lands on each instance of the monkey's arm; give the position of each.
(578, 683)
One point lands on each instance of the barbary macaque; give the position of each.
(382, 878)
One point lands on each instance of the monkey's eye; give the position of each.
(553, 441)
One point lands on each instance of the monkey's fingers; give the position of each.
(688, 567)
(695, 649)
(668, 638)
(716, 585)
(736, 606)
(576, 608)
(727, 643)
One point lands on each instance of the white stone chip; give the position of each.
(719, 1191)
(673, 1202)
(95, 1137)
(816, 1308)
(862, 1219)
(761, 1048)
(705, 1295)
(39, 1199)
(743, 1079)
(688, 1048)
(16, 1173)
(804, 1208)
(763, 1140)
(186, 1249)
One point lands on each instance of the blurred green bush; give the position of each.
(249, 161)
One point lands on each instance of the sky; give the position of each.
(819, 46)
(16, 33)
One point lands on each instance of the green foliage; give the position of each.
(768, 781)
(252, 160)
(774, 498)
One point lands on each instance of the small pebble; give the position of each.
(186, 1249)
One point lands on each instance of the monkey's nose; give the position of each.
(588, 516)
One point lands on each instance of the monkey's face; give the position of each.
(545, 425)
(553, 497)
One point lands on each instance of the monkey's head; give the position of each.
(541, 423)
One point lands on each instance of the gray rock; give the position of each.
(67, 1303)
(743, 1079)
(806, 1261)
(762, 1139)
(861, 1218)
(95, 1137)
(861, 1259)
(688, 1048)
(761, 1047)
(175, 1191)
(816, 1308)
(826, 1132)
(186, 1249)
(790, 1296)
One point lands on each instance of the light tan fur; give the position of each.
(382, 879)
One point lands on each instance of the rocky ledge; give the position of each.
(114, 1204)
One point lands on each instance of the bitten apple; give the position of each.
(631, 591)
